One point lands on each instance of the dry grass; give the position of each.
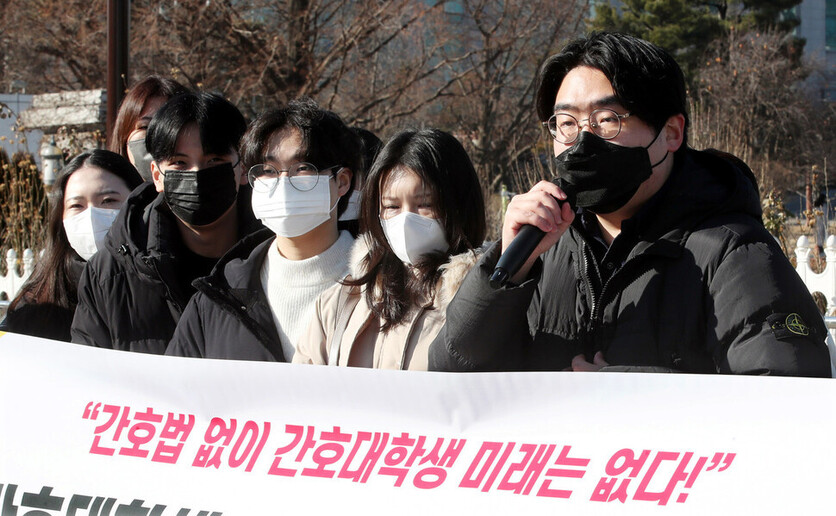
(23, 205)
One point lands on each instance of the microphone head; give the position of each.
(499, 278)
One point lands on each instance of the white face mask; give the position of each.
(86, 230)
(289, 212)
(411, 235)
(352, 211)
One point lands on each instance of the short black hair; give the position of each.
(219, 122)
(326, 140)
(646, 79)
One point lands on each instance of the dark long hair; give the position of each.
(55, 278)
(131, 107)
(445, 168)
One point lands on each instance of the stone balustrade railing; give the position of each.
(12, 281)
(824, 281)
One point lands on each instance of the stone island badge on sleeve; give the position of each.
(786, 326)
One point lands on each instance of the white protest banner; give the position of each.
(86, 431)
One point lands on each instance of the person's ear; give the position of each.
(675, 132)
(158, 176)
(343, 181)
(241, 173)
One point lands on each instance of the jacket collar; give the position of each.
(238, 269)
(143, 229)
(235, 285)
(702, 184)
(452, 272)
(146, 229)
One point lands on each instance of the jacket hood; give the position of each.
(234, 270)
(452, 272)
(136, 232)
(702, 185)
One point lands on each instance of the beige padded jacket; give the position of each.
(363, 345)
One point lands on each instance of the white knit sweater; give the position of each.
(292, 286)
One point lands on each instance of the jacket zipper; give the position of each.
(586, 277)
(401, 366)
(237, 309)
(596, 297)
(598, 300)
(154, 264)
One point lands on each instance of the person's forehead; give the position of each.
(188, 139)
(403, 181)
(285, 146)
(89, 180)
(151, 106)
(189, 143)
(584, 89)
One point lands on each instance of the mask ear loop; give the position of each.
(663, 157)
(335, 205)
(660, 161)
(334, 177)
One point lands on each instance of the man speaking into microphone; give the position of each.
(657, 260)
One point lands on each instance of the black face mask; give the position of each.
(200, 197)
(142, 158)
(601, 176)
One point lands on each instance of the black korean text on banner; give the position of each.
(15, 501)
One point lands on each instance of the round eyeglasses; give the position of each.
(565, 128)
(264, 177)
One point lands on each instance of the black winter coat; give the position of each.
(43, 320)
(128, 297)
(230, 306)
(46, 320)
(704, 289)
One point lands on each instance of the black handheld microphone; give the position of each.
(520, 249)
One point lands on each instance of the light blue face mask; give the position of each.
(141, 157)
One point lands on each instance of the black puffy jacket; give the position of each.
(128, 297)
(704, 289)
(231, 308)
(46, 320)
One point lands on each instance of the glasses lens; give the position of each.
(564, 127)
(303, 176)
(605, 123)
(262, 177)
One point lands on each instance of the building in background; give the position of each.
(10, 140)
(818, 28)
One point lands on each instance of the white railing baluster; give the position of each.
(12, 281)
